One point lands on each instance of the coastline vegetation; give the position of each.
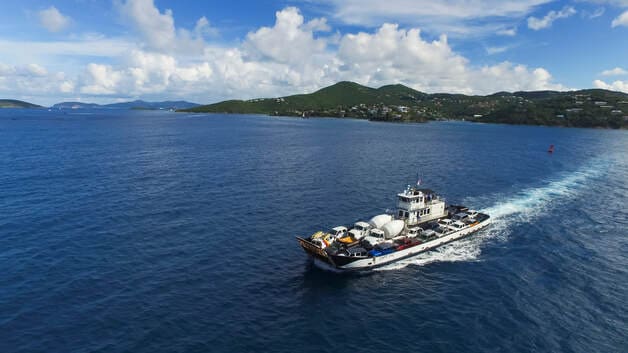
(14, 103)
(583, 108)
(398, 103)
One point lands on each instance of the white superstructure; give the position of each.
(416, 206)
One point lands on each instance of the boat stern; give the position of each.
(315, 251)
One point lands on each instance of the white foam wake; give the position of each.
(522, 207)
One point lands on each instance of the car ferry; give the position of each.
(422, 222)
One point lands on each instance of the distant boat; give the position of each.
(551, 149)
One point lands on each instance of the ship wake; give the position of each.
(508, 211)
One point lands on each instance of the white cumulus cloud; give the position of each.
(394, 55)
(158, 31)
(291, 55)
(317, 25)
(204, 28)
(101, 79)
(545, 22)
(30, 80)
(618, 85)
(289, 40)
(53, 20)
(507, 32)
(36, 70)
(496, 50)
(618, 71)
(621, 20)
(146, 73)
(66, 86)
(513, 77)
(156, 28)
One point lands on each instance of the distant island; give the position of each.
(12, 103)
(136, 104)
(398, 103)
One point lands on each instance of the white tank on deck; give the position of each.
(379, 220)
(392, 229)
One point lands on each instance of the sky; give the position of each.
(107, 51)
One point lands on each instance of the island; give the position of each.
(399, 103)
(13, 103)
(135, 105)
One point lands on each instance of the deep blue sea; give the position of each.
(139, 231)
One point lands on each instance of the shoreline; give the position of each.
(623, 128)
(405, 122)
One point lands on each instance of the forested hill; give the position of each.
(583, 108)
(13, 103)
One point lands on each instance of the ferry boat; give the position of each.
(422, 222)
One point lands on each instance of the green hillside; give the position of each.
(584, 108)
(12, 103)
(333, 98)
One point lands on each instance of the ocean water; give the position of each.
(131, 231)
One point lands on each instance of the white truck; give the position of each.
(375, 237)
(338, 232)
(360, 230)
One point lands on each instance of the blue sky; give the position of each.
(108, 51)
